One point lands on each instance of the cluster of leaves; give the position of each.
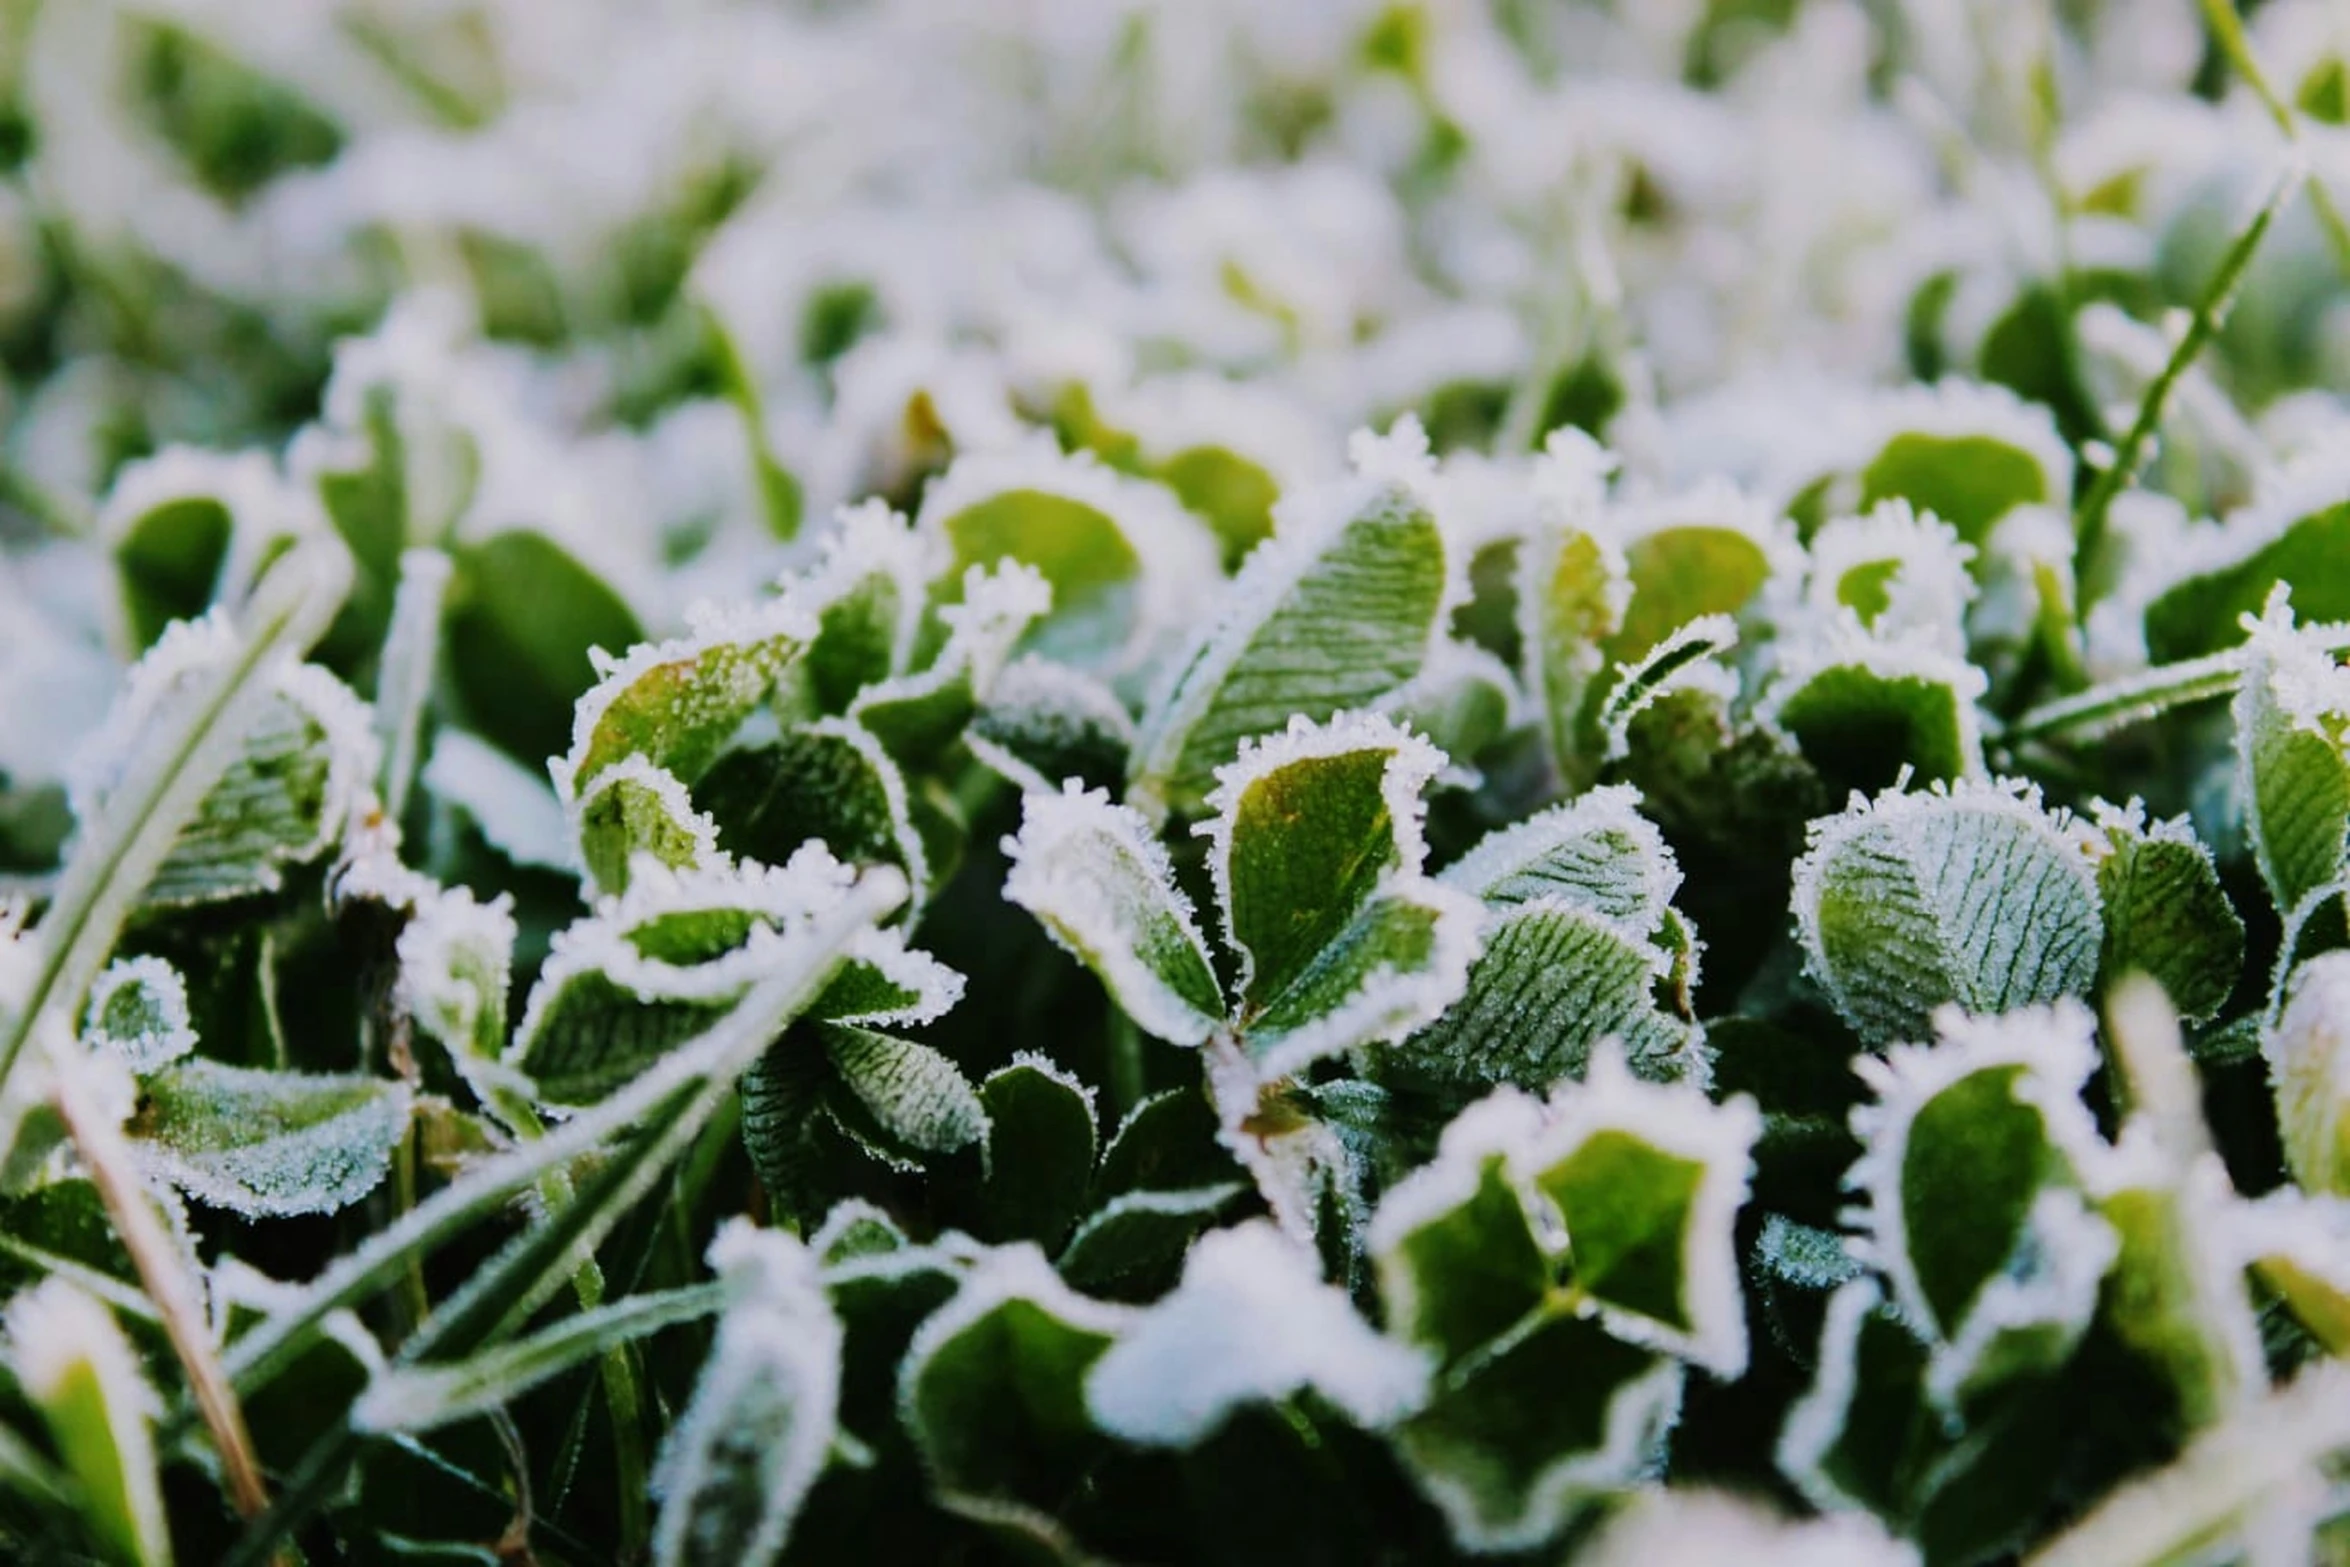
(727, 840)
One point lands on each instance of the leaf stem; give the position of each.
(2211, 312)
(192, 746)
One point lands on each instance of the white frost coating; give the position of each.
(1251, 1322)
(253, 1141)
(1694, 1527)
(1611, 810)
(1504, 1123)
(999, 603)
(868, 540)
(1411, 764)
(1929, 590)
(1093, 873)
(2311, 483)
(1679, 1120)
(2056, 1048)
(2308, 1052)
(1191, 410)
(1176, 550)
(354, 752)
(933, 987)
(515, 811)
(57, 1335)
(782, 899)
(1305, 524)
(148, 995)
(914, 854)
(2291, 681)
(764, 1412)
(262, 506)
(1390, 1003)
(1034, 684)
(2075, 1247)
(848, 1214)
(2304, 1231)
(456, 956)
(187, 648)
(764, 635)
(677, 807)
(1716, 634)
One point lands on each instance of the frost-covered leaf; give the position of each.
(1970, 1192)
(2308, 1051)
(1315, 847)
(1119, 553)
(1598, 852)
(1683, 661)
(633, 808)
(2293, 757)
(1464, 700)
(2299, 1245)
(138, 1011)
(512, 806)
(1573, 589)
(762, 1420)
(1134, 1242)
(1338, 610)
(866, 594)
(2296, 540)
(1971, 894)
(456, 958)
(1712, 1526)
(523, 614)
(1522, 1436)
(1459, 1262)
(1040, 1150)
(1901, 575)
(1647, 1182)
(269, 1144)
(73, 1364)
(287, 791)
(915, 1097)
(1098, 880)
(1250, 1322)
(829, 780)
(2166, 915)
(1045, 723)
(1864, 709)
(916, 717)
(993, 1388)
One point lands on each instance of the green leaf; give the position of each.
(634, 808)
(1969, 481)
(2299, 1246)
(2292, 717)
(1553, 980)
(1251, 1322)
(1338, 610)
(138, 1012)
(1040, 1150)
(1684, 660)
(867, 595)
(269, 1144)
(1131, 1246)
(523, 614)
(1574, 587)
(1974, 1154)
(1522, 1437)
(2308, 1051)
(2203, 612)
(1458, 1261)
(677, 703)
(992, 1389)
(1168, 1142)
(918, 717)
(1864, 710)
(761, 1423)
(2166, 916)
(1401, 961)
(916, 1097)
(1044, 724)
(1597, 852)
(1099, 882)
(1235, 495)
(1079, 547)
(61, 1228)
(169, 552)
(1971, 894)
(829, 780)
(73, 1363)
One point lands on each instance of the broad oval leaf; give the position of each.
(1863, 710)
(268, 1144)
(1041, 1138)
(523, 617)
(1970, 894)
(2166, 915)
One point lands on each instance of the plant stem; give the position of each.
(194, 742)
(2148, 694)
(114, 1171)
(2211, 312)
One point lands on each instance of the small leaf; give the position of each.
(2299, 1245)
(1401, 961)
(677, 703)
(764, 1413)
(1044, 724)
(828, 780)
(523, 613)
(73, 1363)
(1250, 1322)
(2293, 757)
(1597, 851)
(916, 717)
(1100, 883)
(1338, 610)
(1863, 710)
(1969, 481)
(866, 594)
(1971, 894)
(456, 967)
(2166, 916)
(1520, 1438)
(1132, 1245)
(2308, 1051)
(634, 808)
(1573, 590)
(138, 1011)
(1040, 1149)
(915, 1096)
(269, 1144)
(1458, 1260)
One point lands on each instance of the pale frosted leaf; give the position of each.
(1336, 611)
(1574, 586)
(1045, 723)
(1401, 960)
(269, 1144)
(513, 808)
(74, 1365)
(1863, 709)
(918, 1098)
(634, 807)
(866, 595)
(1971, 894)
(1692, 657)
(138, 1011)
(1597, 851)
(1100, 883)
(2166, 915)
(2293, 756)
(1250, 1322)
(1899, 573)
(2308, 1051)
(2299, 1245)
(1714, 1526)
(456, 965)
(830, 780)
(916, 717)
(1134, 1241)
(764, 1413)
